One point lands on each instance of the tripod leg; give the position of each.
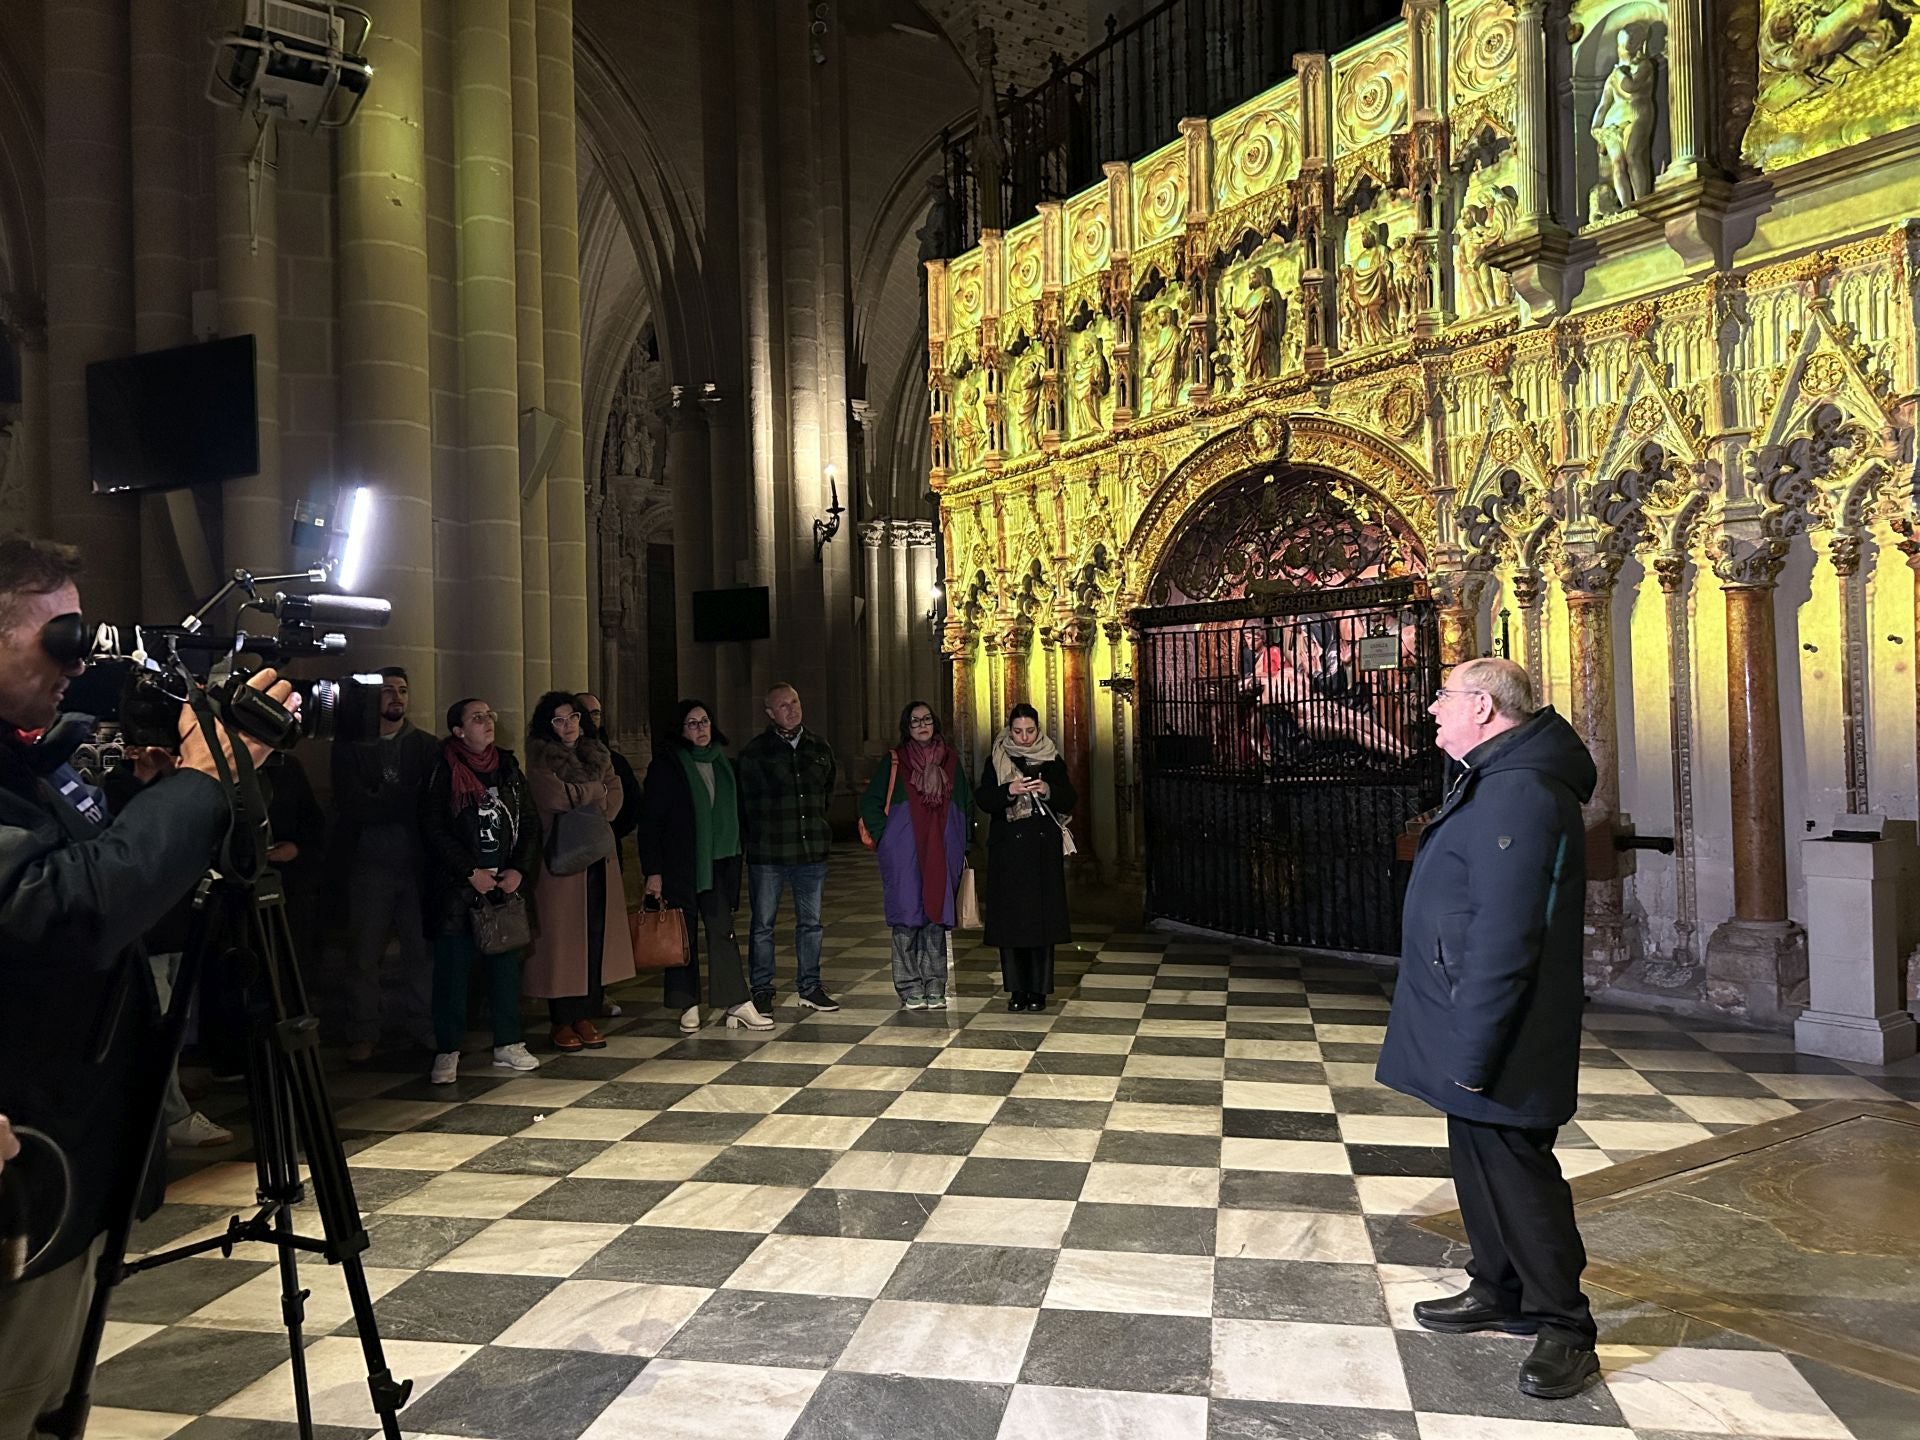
(277, 1166)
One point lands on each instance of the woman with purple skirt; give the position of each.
(915, 814)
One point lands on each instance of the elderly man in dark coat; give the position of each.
(1486, 1013)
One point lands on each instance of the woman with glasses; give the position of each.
(915, 814)
(582, 944)
(690, 851)
(482, 837)
(1026, 791)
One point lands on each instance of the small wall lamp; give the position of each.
(825, 530)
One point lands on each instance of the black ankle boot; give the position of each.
(1558, 1371)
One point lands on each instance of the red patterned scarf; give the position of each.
(930, 770)
(467, 768)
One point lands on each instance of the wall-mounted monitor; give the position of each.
(741, 613)
(172, 418)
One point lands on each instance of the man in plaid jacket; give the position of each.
(786, 783)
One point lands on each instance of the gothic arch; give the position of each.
(1308, 442)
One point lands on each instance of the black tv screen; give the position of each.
(172, 418)
(737, 614)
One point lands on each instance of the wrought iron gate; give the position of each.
(1285, 743)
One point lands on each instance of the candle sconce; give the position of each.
(825, 530)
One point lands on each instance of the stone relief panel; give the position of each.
(967, 421)
(1159, 196)
(1026, 400)
(1485, 217)
(1089, 223)
(1256, 298)
(1161, 349)
(1370, 86)
(1089, 377)
(1382, 276)
(1024, 271)
(1480, 74)
(1832, 73)
(1256, 154)
(1619, 105)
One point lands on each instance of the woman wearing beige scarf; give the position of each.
(1025, 791)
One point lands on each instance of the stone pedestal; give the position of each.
(1757, 968)
(1856, 896)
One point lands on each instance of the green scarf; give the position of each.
(716, 819)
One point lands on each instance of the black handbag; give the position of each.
(501, 922)
(581, 837)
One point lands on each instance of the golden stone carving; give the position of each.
(1645, 416)
(1483, 50)
(1400, 410)
(1832, 73)
(1089, 236)
(1259, 154)
(1823, 374)
(1370, 95)
(1023, 268)
(1160, 198)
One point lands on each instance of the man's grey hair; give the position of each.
(779, 689)
(1502, 681)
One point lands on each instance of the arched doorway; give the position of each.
(1288, 650)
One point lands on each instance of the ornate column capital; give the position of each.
(1526, 588)
(1458, 589)
(1746, 561)
(1670, 569)
(1076, 629)
(918, 534)
(874, 533)
(1587, 574)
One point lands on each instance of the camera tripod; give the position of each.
(246, 919)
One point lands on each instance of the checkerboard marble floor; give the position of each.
(1172, 1207)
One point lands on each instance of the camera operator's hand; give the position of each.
(150, 762)
(195, 751)
(482, 881)
(282, 852)
(510, 881)
(9, 1142)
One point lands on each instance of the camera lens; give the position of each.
(347, 709)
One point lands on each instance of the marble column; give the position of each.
(385, 401)
(1688, 111)
(728, 502)
(959, 649)
(89, 234)
(923, 576)
(1457, 597)
(489, 360)
(1076, 636)
(997, 702)
(873, 541)
(1757, 961)
(1844, 550)
(560, 311)
(1671, 569)
(1587, 581)
(1532, 175)
(536, 604)
(1016, 654)
(1123, 693)
(1526, 594)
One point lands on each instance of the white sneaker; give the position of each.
(690, 1020)
(446, 1068)
(197, 1132)
(745, 1015)
(514, 1057)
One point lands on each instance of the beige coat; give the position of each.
(563, 779)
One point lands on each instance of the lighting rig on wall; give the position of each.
(825, 530)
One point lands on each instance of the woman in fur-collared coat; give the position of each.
(582, 943)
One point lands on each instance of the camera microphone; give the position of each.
(355, 612)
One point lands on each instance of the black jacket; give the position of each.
(452, 845)
(377, 818)
(666, 831)
(1026, 866)
(1489, 994)
(78, 1015)
(628, 820)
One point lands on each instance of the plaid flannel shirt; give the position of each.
(786, 791)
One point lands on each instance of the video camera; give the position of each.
(162, 667)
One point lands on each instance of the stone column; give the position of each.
(246, 204)
(1457, 596)
(536, 609)
(560, 310)
(1533, 175)
(687, 479)
(1076, 635)
(1016, 652)
(1587, 580)
(873, 541)
(1526, 594)
(165, 97)
(1124, 692)
(489, 360)
(997, 702)
(89, 232)
(1671, 569)
(727, 502)
(959, 647)
(1756, 960)
(922, 646)
(1844, 550)
(385, 404)
(1688, 109)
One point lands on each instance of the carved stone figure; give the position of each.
(1623, 121)
(1486, 217)
(1404, 264)
(1367, 304)
(1821, 42)
(1261, 318)
(634, 459)
(965, 426)
(1092, 379)
(1032, 390)
(1162, 372)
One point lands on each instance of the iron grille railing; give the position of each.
(1128, 95)
(1284, 750)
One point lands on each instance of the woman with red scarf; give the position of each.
(916, 813)
(482, 835)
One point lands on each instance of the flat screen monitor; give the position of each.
(172, 418)
(738, 614)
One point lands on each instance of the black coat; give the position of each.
(666, 832)
(452, 844)
(1489, 995)
(79, 1012)
(1026, 867)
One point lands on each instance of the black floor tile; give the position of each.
(1164, 1354)
(1319, 1291)
(1020, 1179)
(859, 1214)
(1142, 1229)
(973, 1275)
(528, 1394)
(608, 1202)
(747, 1327)
(901, 1407)
(1474, 1375)
(457, 1308)
(663, 1255)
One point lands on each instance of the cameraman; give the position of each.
(77, 1011)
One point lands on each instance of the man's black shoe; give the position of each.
(1557, 1371)
(763, 1001)
(817, 999)
(1462, 1314)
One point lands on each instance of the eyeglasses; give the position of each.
(1443, 693)
(492, 717)
(918, 720)
(703, 723)
(594, 715)
(563, 719)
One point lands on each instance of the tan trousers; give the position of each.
(40, 1324)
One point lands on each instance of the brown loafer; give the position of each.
(589, 1034)
(565, 1037)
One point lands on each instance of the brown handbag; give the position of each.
(659, 935)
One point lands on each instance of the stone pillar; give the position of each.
(1757, 961)
(1126, 838)
(165, 98)
(873, 541)
(1532, 175)
(1671, 568)
(687, 479)
(560, 311)
(1457, 596)
(1587, 581)
(959, 647)
(902, 613)
(1845, 552)
(489, 360)
(922, 643)
(728, 503)
(246, 207)
(1688, 109)
(536, 610)
(1526, 594)
(1016, 653)
(385, 414)
(89, 233)
(1076, 635)
(997, 701)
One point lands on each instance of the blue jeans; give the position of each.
(764, 883)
